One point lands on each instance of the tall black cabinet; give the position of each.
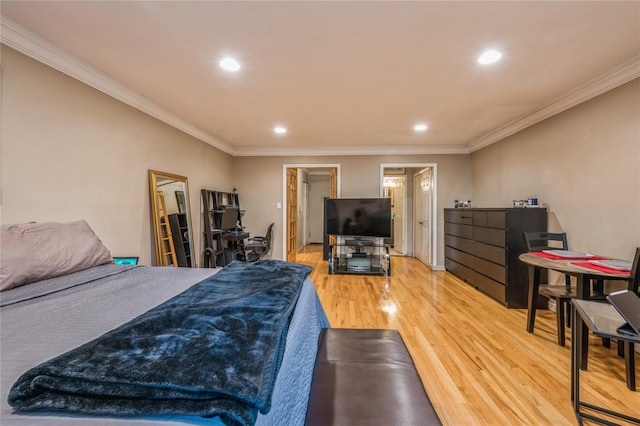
(482, 248)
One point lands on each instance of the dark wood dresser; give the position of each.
(482, 248)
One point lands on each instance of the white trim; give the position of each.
(434, 206)
(28, 43)
(284, 194)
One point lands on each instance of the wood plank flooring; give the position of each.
(475, 358)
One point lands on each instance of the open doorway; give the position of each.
(415, 230)
(394, 188)
(304, 188)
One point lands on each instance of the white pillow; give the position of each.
(32, 252)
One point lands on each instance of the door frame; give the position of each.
(285, 234)
(434, 204)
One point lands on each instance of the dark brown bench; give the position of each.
(366, 377)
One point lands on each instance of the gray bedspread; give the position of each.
(158, 362)
(55, 317)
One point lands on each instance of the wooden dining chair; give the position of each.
(561, 294)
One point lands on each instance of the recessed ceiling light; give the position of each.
(420, 127)
(489, 57)
(229, 64)
(280, 130)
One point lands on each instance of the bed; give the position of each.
(44, 321)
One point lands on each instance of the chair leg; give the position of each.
(620, 348)
(560, 307)
(598, 286)
(606, 342)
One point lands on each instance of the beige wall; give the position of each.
(70, 152)
(584, 164)
(260, 185)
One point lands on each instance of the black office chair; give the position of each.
(256, 247)
(561, 294)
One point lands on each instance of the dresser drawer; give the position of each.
(463, 244)
(495, 237)
(459, 230)
(490, 269)
(459, 256)
(490, 287)
(490, 219)
(488, 252)
(461, 271)
(458, 216)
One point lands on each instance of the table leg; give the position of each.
(534, 284)
(584, 344)
(575, 358)
(583, 291)
(630, 365)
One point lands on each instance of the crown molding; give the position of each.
(351, 150)
(24, 41)
(613, 78)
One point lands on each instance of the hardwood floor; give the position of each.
(476, 360)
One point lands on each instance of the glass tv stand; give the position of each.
(359, 256)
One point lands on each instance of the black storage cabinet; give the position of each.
(482, 248)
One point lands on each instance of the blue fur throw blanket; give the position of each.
(213, 350)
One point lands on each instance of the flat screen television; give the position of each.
(358, 217)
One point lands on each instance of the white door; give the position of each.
(399, 237)
(422, 187)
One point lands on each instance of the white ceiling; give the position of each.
(344, 77)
